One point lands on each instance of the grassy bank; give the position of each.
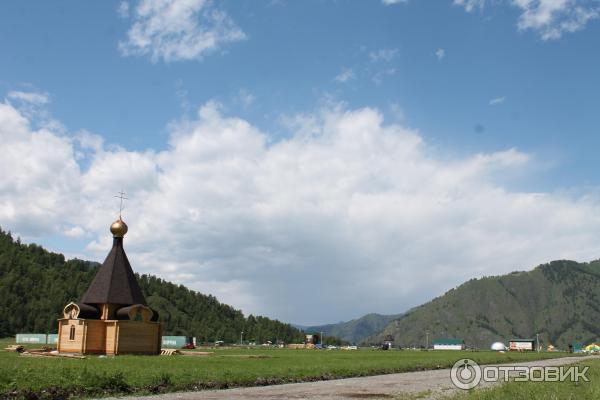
(542, 390)
(24, 377)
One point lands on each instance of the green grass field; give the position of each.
(542, 390)
(28, 377)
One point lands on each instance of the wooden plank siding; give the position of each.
(136, 337)
(109, 337)
(110, 344)
(95, 337)
(67, 345)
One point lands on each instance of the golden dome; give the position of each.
(118, 228)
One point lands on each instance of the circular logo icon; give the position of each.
(465, 374)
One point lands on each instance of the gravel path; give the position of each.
(427, 384)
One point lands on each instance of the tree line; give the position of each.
(36, 284)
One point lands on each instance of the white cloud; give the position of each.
(39, 168)
(174, 30)
(470, 5)
(35, 98)
(123, 9)
(337, 214)
(440, 54)
(497, 100)
(245, 98)
(549, 18)
(345, 75)
(391, 2)
(380, 64)
(385, 55)
(182, 96)
(74, 232)
(377, 78)
(397, 111)
(552, 18)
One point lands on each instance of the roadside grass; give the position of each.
(412, 396)
(542, 390)
(53, 378)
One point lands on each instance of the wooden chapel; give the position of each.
(112, 316)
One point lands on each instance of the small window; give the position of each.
(72, 333)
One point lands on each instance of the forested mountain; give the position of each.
(559, 300)
(36, 284)
(356, 330)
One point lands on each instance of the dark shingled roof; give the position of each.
(123, 312)
(115, 282)
(87, 311)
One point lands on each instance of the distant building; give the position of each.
(521, 344)
(312, 339)
(177, 342)
(576, 347)
(297, 346)
(449, 344)
(388, 343)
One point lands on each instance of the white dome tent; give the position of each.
(498, 346)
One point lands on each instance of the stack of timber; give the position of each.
(16, 348)
(33, 353)
(169, 352)
(198, 353)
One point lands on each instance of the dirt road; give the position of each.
(428, 384)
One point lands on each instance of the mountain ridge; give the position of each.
(355, 330)
(559, 300)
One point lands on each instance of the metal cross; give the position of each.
(122, 197)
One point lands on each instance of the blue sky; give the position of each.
(291, 56)
(500, 83)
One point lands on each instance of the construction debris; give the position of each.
(197, 353)
(51, 354)
(16, 348)
(169, 352)
(43, 349)
(246, 356)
